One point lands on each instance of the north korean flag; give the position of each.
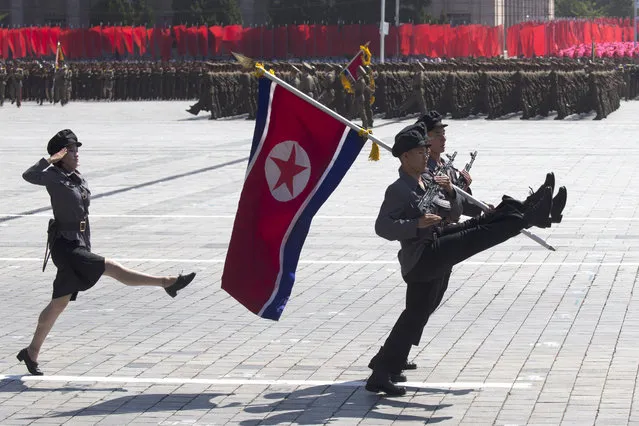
(352, 70)
(298, 157)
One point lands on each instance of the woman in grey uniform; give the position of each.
(69, 240)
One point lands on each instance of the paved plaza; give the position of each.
(524, 335)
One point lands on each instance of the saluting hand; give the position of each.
(444, 182)
(428, 220)
(58, 156)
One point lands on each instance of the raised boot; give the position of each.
(558, 204)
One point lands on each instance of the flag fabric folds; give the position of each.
(348, 75)
(298, 157)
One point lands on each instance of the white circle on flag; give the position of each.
(288, 170)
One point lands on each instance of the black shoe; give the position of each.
(558, 204)
(550, 181)
(380, 381)
(398, 378)
(179, 284)
(191, 110)
(539, 214)
(32, 366)
(535, 196)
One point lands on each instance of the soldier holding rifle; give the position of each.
(430, 248)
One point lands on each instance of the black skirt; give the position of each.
(78, 268)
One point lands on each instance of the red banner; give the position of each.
(140, 39)
(215, 40)
(180, 38)
(3, 38)
(232, 38)
(167, 44)
(307, 41)
(203, 40)
(191, 41)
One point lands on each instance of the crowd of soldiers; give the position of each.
(461, 87)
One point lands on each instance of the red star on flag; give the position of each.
(288, 170)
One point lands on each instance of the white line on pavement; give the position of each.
(329, 217)
(347, 262)
(261, 382)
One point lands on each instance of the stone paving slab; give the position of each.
(523, 336)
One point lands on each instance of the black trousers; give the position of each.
(428, 281)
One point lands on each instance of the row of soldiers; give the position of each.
(411, 88)
(461, 87)
(43, 83)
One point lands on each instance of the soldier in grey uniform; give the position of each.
(429, 249)
(418, 94)
(58, 81)
(109, 84)
(362, 99)
(16, 86)
(69, 239)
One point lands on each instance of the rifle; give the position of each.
(461, 181)
(430, 199)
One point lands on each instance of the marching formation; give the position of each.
(460, 87)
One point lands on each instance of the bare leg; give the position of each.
(130, 277)
(45, 323)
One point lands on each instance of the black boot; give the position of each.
(558, 204)
(193, 110)
(535, 196)
(395, 377)
(380, 381)
(539, 214)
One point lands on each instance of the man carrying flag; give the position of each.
(299, 155)
(59, 56)
(58, 75)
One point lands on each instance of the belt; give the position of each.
(54, 228)
(79, 226)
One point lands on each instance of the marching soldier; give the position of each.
(362, 99)
(16, 86)
(69, 239)
(429, 249)
(308, 85)
(109, 84)
(418, 94)
(67, 85)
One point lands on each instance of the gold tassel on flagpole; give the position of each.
(374, 155)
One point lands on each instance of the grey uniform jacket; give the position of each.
(399, 214)
(70, 197)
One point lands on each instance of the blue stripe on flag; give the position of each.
(263, 99)
(349, 152)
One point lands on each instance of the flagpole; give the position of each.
(365, 134)
(263, 73)
(381, 32)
